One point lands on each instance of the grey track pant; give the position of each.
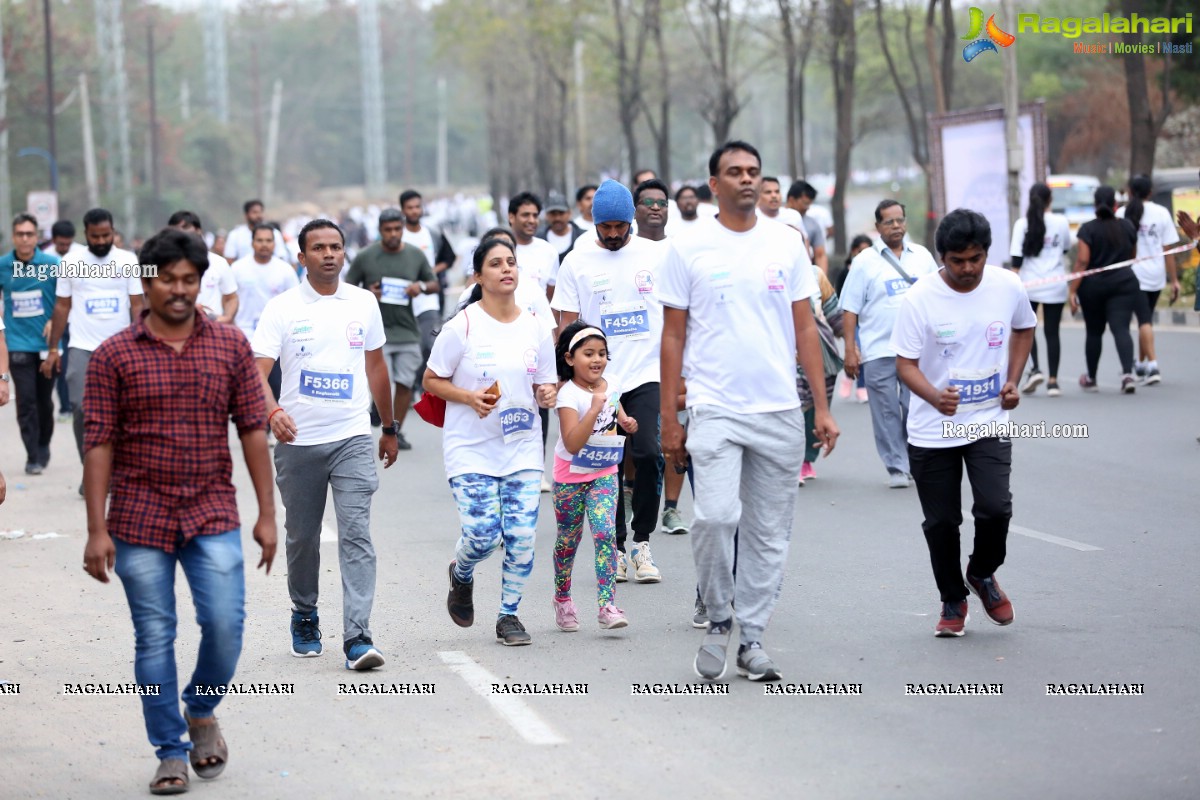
(304, 474)
(889, 398)
(746, 467)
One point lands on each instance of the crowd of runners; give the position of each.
(685, 334)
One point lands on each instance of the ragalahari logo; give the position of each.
(995, 36)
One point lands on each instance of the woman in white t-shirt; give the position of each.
(493, 364)
(585, 469)
(1038, 242)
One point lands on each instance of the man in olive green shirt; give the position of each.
(396, 273)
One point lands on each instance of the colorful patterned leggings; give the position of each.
(494, 510)
(597, 499)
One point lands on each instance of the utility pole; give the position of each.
(216, 70)
(1016, 154)
(442, 143)
(273, 141)
(52, 145)
(5, 180)
(154, 178)
(256, 111)
(581, 161)
(89, 145)
(374, 158)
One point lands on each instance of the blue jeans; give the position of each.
(214, 571)
(494, 511)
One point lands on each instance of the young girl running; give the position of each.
(586, 458)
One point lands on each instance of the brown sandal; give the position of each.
(207, 742)
(170, 769)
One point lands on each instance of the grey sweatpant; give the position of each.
(304, 474)
(889, 398)
(746, 467)
(77, 364)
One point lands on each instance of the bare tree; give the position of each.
(942, 69)
(1144, 124)
(716, 30)
(660, 130)
(629, 50)
(843, 58)
(915, 116)
(796, 22)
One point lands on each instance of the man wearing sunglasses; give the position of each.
(650, 209)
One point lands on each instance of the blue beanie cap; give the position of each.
(612, 203)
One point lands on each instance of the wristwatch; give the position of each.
(4, 376)
(390, 430)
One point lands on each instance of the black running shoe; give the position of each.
(511, 632)
(459, 602)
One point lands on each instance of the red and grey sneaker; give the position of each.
(995, 601)
(954, 619)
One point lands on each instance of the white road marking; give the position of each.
(1052, 539)
(515, 711)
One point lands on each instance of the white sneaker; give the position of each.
(622, 567)
(643, 564)
(546, 487)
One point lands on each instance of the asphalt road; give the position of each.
(1102, 578)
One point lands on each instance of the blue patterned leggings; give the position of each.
(494, 510)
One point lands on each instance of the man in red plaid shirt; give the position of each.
(158, 399)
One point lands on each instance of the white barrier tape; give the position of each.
(1071, 276)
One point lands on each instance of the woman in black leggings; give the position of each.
(1109, 298)
(1039, 240)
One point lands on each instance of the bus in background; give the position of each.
(1074, 197)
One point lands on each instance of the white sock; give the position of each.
(1152, 364)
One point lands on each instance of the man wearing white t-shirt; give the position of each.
(239, 243)
(427, 308)
(612, 286)
(95, 306)
(328, 337)
(687, 202)
(218, 297)
(1156, 232)
(878, 279)
(536, 257)
(800, 197)
(560, 231)
(961, 339)
(737, 318)
(261, 277)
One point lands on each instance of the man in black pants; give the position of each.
(612, 285)
(961, 340)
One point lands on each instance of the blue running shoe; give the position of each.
(306, 635)
(361, 654)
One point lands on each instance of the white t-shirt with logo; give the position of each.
(518, 354)
(218, 281)
(539, 258)
(571, 395)
(321, 343)
(99, 305)
(1156, 233)
(1047, 263)
(258, 284)
(874, 291)
(616, 292)
(423, 241)
(738, 290)
(960, 338)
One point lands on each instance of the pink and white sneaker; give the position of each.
(565, 616)
(861, 395)
(807, 473)
(611, 617)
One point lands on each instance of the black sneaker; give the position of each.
(44, 456)
(1152, 377)
(511, 632)
(459, 602)
(402, 443)
(33, 468)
